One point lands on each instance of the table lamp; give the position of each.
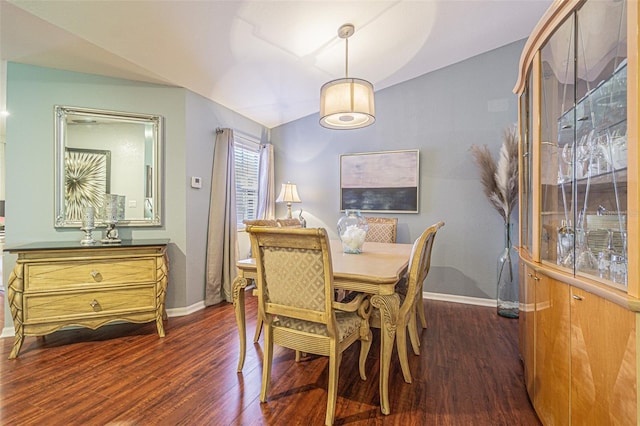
(288, 194)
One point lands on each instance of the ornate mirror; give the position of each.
(102, 152)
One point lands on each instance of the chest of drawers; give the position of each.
(55, 285)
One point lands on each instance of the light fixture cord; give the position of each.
(346, 58)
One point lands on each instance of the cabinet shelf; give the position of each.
(605, 178)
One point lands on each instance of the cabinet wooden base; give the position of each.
(88, 287)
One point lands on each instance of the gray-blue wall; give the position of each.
(442, 114)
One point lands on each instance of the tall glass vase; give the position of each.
(507, 278)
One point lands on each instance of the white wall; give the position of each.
(442, 114)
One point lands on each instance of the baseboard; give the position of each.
(460, 299)
(180, 312)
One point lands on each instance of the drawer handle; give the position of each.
(97, 276)
(95, 305)
(576, 297)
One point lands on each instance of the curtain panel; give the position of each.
(222, 248)
(266, 184)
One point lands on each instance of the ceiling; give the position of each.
(265, 59)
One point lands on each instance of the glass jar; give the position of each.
(352, 229)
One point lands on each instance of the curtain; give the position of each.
(221, 236)
(266, 195)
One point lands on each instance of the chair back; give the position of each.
(295, 276)
(382, 229)
(419, 265)
(289, 223)
(260, 222)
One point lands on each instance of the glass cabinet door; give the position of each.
(557, 154)
(600, 145)
(584, 144)
(526, 202)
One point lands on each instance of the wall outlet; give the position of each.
(196, 182)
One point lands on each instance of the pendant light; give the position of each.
(347, 103)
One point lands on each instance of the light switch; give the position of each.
(196, 182)
(133, 204)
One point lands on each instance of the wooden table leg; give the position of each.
(389, 306)
(238, 287)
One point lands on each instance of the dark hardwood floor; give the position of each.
(469, 373)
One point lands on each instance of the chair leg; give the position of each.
(267, 361)
(413, 333)
(420, 308)
(332, 391)
(401, 342)
(365, 346)
(256, 336)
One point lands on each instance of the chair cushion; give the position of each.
(348, 324)
(380, 233)
(303, 270)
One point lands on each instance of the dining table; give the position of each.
(375, 271)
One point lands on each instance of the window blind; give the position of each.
(247, 161)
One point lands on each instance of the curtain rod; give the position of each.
(245, 135)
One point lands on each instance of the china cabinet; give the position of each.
(579, 205)
(59, 284)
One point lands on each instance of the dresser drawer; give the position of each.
(56, 275)
(88, 304)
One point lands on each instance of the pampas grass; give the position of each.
(500, 180)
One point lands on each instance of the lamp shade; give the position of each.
(288, 194)
(347, 103)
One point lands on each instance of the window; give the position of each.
(247, 153)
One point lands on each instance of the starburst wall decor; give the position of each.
(87, 179)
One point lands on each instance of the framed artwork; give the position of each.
(87, 179)
(385, 182)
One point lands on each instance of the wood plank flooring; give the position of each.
(469, 373)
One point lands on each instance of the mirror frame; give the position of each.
(60, 117)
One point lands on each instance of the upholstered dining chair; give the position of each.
(411, 304)
(258, 222)
(261, 222)
(295, 297)
(420, 299)
(382, 229)
(289, 223)
(282, 223)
